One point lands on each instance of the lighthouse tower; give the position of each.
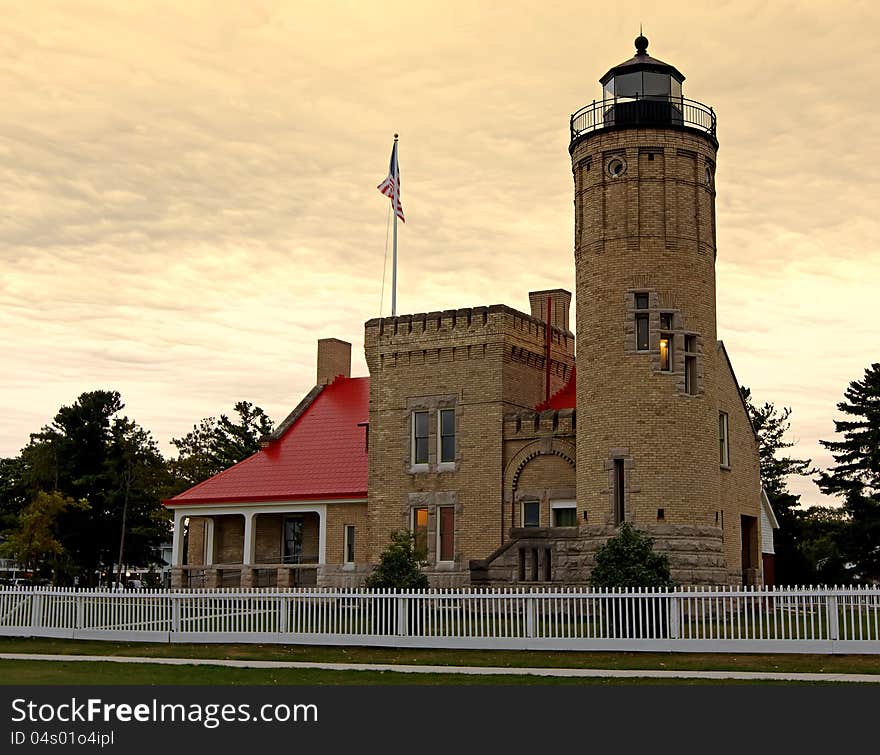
(663, 438)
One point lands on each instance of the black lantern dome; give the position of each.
(642, 92)
(642, 76)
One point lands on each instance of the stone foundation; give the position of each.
(565, 556)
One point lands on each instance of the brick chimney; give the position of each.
(334, 359)
(560, 302)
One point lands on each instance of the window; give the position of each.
(420, 531)
(420, 438)
(666, 352)
(666, 342)
(531, 514)
(446, 423)
(642, 343)
(724, 439)
(348, 556)
(293, 540)
(619, 492)
(641, 302)
(690, 365)
(564, 513)
(446, 534)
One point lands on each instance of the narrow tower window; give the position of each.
(724, 439)
(349, 544)
(666, 342)
(619, 494)
(690, 365)
(641, 303)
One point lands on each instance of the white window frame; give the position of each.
(439, 520)
(724, 438)
(421, 465)
(345, 531)
(522, 513)
(563, 504)
(445, 465)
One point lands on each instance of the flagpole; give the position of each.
(394, 256)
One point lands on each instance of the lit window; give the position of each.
(446, 534)
(420, 438)
(666, 352)
(447, 435)
(349, 544)
(531, 514)
(564, 514)
(724, 439)
(420, 532)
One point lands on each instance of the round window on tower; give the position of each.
(616, 167)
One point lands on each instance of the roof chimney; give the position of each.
(560, 302)
(334, 359)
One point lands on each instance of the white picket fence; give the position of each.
(796, 620)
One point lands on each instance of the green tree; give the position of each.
(855, 474)
(89, 453)
(214, 445)
(399, 565)
(793, 541)
(628, 560)
(33, 542)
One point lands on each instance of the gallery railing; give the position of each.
(638, 111)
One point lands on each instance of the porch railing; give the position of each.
(799, 620)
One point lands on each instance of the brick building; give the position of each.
(475, 431)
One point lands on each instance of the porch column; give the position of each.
(322, 535)
(177, 550)
(177, 540)
(209, 541)
(247, 558)
(250, 532)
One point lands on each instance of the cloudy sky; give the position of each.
(188, 201)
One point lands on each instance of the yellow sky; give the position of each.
(188, 188)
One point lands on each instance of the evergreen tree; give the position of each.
(214, 445)
(399, 565)
(855, 474)
(628, 560)
(795, 551)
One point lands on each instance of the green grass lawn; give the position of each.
(851, 664)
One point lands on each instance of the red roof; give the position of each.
(321, 455)
(564, 398)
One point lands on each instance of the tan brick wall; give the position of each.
(195, 551)
(267, 539)
(652, 230)
(339, 515)
(334, 358)
(228, 539)
(484, 362)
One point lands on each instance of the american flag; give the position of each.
(390, 187)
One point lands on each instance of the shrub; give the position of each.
(628, 560)
(399, 565)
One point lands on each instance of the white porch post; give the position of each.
(249, 538)
(177, 540)
(209, 541)
(322, 535)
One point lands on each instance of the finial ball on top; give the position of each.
(641, 44)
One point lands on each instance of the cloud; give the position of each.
(189, 201)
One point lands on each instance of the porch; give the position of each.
(256, 546)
